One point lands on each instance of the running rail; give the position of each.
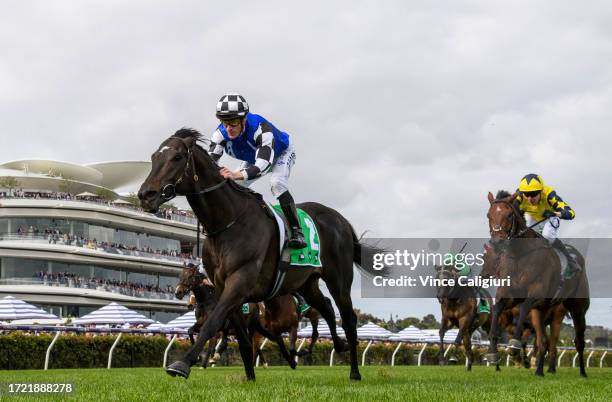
(48, 354)
(394, 353)
(363, 356)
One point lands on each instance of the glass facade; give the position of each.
(33, 225)
(28, 269)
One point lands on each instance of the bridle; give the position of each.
(168, 191)
(510, 234)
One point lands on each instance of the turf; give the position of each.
(403, 383)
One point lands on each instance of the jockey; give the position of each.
(540, 203)
(262, 148)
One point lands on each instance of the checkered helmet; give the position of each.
(231, 106)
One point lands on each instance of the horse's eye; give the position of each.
(178, 157)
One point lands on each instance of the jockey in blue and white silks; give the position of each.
(262, 148)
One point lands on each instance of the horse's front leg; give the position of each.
(443, 329)
(493, 356)
(236, 287)
(515, 343)
(292, 342)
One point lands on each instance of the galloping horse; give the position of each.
(279, 316)
(241, 249)
(535, 272)
(191, 280)
(459, 306)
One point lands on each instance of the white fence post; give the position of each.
(421, 354)
(363, 356)
(48, 354)
(447, 349)
(574, 360)
(331, 358)
(602, 359)
(394, 353)
(260, 348)
(589, 358)
(299, 348)
(560, 357)
(168, 349)
(112, 349)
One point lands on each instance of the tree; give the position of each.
(132, 198)
(9, 182)
(106, 194)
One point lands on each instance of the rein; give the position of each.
(168, 192)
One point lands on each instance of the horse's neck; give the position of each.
(216, 208)
(201, 296)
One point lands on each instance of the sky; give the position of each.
(404, 114)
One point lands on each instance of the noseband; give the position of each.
(514, 224)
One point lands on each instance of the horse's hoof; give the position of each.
(341, 347)
(355, 376)
(539, 373)
(492, 358)
(179, 368)
(583, 374)
(515, 344)
(453, 359)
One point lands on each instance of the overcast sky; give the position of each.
(404, 114)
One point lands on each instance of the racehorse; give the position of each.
(459, 306)
(241, 248)
(191, 280)
(281, 315)
(535, 272)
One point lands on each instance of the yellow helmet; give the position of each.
(531, 182)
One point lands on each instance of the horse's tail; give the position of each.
(359, 249)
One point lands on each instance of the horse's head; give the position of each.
(189, 279)
(173, 169)
(504, 218)
(446, 272)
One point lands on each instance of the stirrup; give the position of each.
(297, 239)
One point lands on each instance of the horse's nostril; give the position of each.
(145, 195)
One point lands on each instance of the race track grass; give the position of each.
(380, 383)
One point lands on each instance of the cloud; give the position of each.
(404, 114)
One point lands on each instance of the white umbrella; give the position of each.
(14, 309)
(185, 321)
(433, 335)
(410, 334)
(122, 202)
(87, 194)
(323, 330)
(371, 331)
(113, 314)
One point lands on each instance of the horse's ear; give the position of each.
(491, 198)
(207, 282)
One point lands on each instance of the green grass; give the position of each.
(402, 383)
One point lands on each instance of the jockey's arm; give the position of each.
(264, 155)
(561, 209)
(217, 145)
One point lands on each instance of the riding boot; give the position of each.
(288, 206)
(573, 265)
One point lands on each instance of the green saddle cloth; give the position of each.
(484, 307)
(309, 255)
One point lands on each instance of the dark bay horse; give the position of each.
(281, 315)
(241, 248)
(191, 280)
(459, 306)
(535, 272)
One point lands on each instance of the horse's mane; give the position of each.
(501, 194)
(188, 132)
